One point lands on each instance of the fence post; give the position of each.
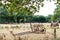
(54, 33)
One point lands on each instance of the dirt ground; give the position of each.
(25, 27)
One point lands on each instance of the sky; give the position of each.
(48, 8)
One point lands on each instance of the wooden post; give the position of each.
(55, 25)
(31, 27)
(54, 33)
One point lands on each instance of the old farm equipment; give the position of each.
(38, 28)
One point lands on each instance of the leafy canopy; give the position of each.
(56, 15)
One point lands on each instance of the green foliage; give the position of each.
(49, 18)
(19, 10)
(22, 16)
(56, 15)
(22, 11)
(14, 5)
(58, 2)
(39, 19)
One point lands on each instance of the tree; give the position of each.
(39, 18)
(58, 2)
(56, 15)
(30, 5)
(17, 7)
(42, 18)
(18, 10)
(3, 14)
(49, 18)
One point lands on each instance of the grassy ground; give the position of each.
(6, 28)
